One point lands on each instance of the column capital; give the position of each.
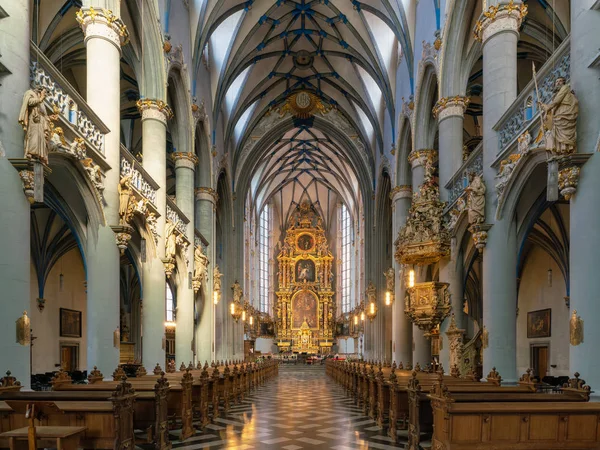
(186, 160)
(206, 193)
(400, 192)
(418, 157)
(499, 18)
(103, 24)
(154, 109)
(451, 106)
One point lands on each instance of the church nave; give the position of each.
(302, 408)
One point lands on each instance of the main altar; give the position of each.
(305, 307)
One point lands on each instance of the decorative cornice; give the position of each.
(186, 160)
(450, 106)
(206, 193)
(154, 109)
(418, 157)
(103, 24)
(401, 191)
(506, 17)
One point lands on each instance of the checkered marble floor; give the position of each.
(300, 409)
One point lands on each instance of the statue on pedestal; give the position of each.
(390, 279)
(124, 188)
(560, 119)
(238, 293)
(171, 241)
(476, 201)
(217, 279)
(37, 124)
(200, 265)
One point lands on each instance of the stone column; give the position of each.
(206, 200)
(585, 217)
(104, 35)
(499, 37)
(185, 164)
(451, 270)
(401, 325)
(155, 114)
(15, 257)
(421, 344)
(450, 114)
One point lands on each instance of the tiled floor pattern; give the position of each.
(300, 409)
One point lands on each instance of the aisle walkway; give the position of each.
(300, 409)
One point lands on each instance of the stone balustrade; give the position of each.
(64, 99)
(457, 184)
(175, 215)
(141, 181)
(524, 111)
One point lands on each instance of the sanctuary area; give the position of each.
(299, 224)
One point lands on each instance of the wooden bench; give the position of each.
(61, 438)
(107, 416)
(515, 423)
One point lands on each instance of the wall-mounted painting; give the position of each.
(539, 323)
(70, 323)
(304, 307)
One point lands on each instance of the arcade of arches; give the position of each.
(401, 181)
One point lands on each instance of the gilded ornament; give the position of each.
(28, 180)
(303, 104)
(575, 329)
(485, 337)
(515, 12)
(427, 304)
(568, 179)
(23, 327)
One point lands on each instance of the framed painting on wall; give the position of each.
(539, 323)
(70, 323)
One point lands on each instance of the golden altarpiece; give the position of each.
(305, 307)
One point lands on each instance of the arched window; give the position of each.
(345, 256)
(264, 244)
(170, 316)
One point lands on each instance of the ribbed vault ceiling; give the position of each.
(262, 51)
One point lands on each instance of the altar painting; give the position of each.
(305, 271)
(304, 306)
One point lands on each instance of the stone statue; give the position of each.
(124, 188)
(94, 172)
(200, 265)
(390, 279)
(238, 293)
(217, 279)
(575, 329)
(560, 118)
(476, 202)
(371, 292)
(171, 242)
(37, 124)
(151, 223)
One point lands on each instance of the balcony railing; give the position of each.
(141, 181)
(524, 109)
(175, 215)
(460, 180)
(63, 97)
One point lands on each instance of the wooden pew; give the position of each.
(157, 400)
(9, 383)
(107, 416)
(534, 422)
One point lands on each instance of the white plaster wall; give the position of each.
(346, 346)
(535, 294)
(263, 345)
(46, 324)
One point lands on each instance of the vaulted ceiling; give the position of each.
(262, 51)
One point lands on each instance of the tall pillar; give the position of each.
(155, 114)
(14, 219)
(185, 164)
(401, 325)
(104, 35)
(421, 344)
(499, 37)
(450, 114)
(206, 200)
(585, 217)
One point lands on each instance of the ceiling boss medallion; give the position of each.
(303, 105)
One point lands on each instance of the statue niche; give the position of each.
(305, 307)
